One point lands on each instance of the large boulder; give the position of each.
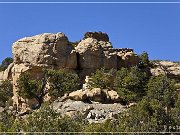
(96, 94)
(94, 54)
(126, 58)
(79, 95)
(113, 95)
(100, 36)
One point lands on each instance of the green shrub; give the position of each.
(130, 84)
(45, 120)
(30, 88)
(144, 60)
(61, 82)
(5, 63)
(163, 89)
(155, 112)
(97, 128)
(176, 111)
(6, 92)
(101, 79)
(6, 121)
(147, 116)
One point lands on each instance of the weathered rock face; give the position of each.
(45, 50)
(94, 54)
(95, 51)
(55, 51)
(172, 69)
(126, 58)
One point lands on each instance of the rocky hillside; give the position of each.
(94, 51)
(55, 51)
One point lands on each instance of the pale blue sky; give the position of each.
(154, 28)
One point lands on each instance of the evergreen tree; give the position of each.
(144, 60)
(5, 63)
(6, 92)
(31, 88)
(61, 82)
(102, 79)
(130, 84)
(163, 89)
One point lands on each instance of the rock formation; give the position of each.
(41, 51)
(54, 51)
(45, 50)
(96, 95)
(94, 51)
(171, 69)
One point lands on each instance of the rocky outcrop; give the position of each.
(54, 51)
(94, 54)
(113, 95)
(41, 51)
(45, 50)
(95, 95)
(171, 69)
(100, 36)
(95, 51)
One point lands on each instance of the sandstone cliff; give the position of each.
(55, 51)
